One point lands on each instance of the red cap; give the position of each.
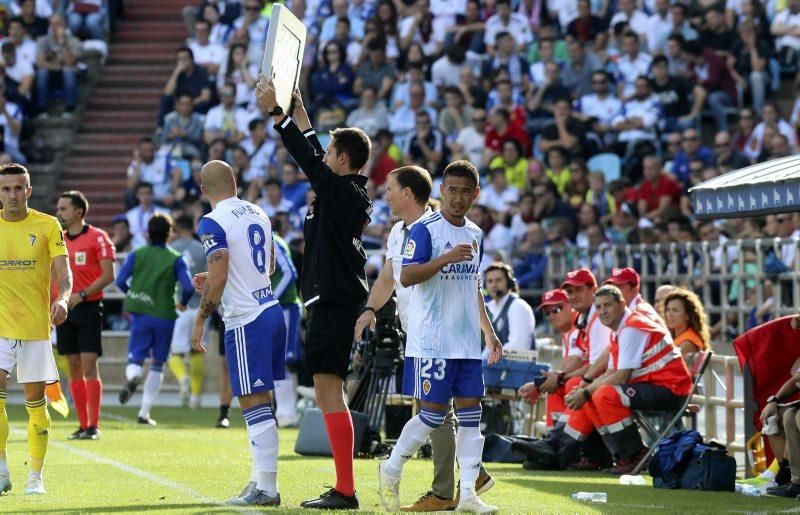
(623, 276)
(580, 277)
(553, 297)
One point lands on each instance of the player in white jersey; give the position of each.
(443, 348)
(237, 238)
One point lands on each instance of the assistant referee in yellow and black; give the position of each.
(333, 282)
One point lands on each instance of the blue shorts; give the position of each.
(438, 380)
(151, 337)
(256, 353)
(291, 315)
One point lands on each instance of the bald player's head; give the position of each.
(218, 180)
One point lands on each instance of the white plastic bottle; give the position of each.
(752, 491)
(590, 496)
(625, 479)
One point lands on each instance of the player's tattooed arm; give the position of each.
(215, 283)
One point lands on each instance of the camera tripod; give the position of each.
(374, 383)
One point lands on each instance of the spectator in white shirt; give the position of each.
(139, 216)
(659, 27)
(403, 120)
(152, 169)
(210, 56)
(640, 115)
(371, 115)
(220, 32)
(498, 196)
(236, 70)
(252, 27)
(631, 65)
(511, 316)
(446, 70)
(469, 143)
(20, 72)
(637, 20)
(11, 123)
(771, 116)
(506, 21)
(600, 107)
(420, 28)
(328, 29)
(274, 202)
(415, 74)
(786, 29)
(258, 146)
(226, 120)
(26, 48)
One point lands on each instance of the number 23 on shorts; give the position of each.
(437, 365)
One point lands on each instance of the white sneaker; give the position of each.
(194, 402)
(388, 489)
(34, 485)
(472, 503)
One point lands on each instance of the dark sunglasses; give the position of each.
(554, 310)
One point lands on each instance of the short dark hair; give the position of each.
(77, 199)
(8, 47)
(273, 182)
(417, 179)
(185, 222)
(14, 169)
(659, 59)
(187, 50)
(204, 22)
(158, 228)
(609, 290)
(500, 35)
(462, 168)
(254, 123)
(148, 139)
(143, 184)
(353, 142)
(16, 19)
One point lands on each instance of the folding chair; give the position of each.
(669, 421)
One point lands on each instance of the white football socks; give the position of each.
(152, 385)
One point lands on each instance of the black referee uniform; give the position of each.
(333, 282)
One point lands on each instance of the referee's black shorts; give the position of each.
(82, 331)
(329, 338)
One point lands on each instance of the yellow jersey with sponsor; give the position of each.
(27, 249)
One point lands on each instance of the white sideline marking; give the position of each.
(159, 480)
(118, 418)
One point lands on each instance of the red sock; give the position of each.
(340, 434)
(78, 390)
(94, 395)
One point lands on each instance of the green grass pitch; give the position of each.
(186, 466)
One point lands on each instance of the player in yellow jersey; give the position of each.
(31, 248)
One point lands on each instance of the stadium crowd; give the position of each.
(588, 121)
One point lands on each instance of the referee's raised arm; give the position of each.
(298, 136)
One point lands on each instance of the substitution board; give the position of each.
(283, 53)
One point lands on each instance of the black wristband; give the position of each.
(368, 308)
(586, 394)
(587, 380)
(561, 376)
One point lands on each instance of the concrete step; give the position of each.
(142, 80)
(135, 127)
(98, 185)
(132, 59)
(83, 149)
(107, 162)
(107, 139)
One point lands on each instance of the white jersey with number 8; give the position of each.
(243, 229)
